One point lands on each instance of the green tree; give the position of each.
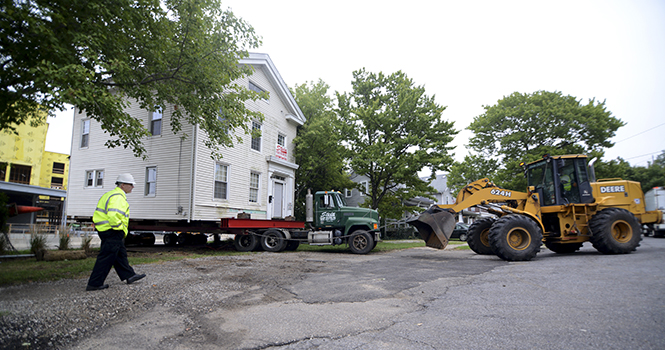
(523, 127)
(392, 130)
(96, 55)
(318, 150)
(474, 167)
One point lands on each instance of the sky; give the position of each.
(470, 54)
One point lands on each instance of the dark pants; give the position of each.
(112, 254)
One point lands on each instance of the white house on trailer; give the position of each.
(179, 180)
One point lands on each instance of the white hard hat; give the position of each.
(126, 178)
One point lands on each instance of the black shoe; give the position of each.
(135, 278)
(103, 286)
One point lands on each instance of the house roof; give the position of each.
(262, 61)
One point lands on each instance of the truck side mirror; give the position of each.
(326, 201)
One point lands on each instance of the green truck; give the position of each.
(329, 221)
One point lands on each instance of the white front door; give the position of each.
(277, 199)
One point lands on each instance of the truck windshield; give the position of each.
(341, 202)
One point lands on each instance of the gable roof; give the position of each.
(262, 61)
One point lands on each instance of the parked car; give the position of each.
(461, 231)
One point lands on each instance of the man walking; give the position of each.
(111, 219)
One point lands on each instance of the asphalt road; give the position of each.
(425, 299)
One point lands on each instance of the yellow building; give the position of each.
(25, 167)
(23, 159)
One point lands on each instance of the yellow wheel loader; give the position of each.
(563, 208)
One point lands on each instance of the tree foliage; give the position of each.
(523, 127)
(318, 150)
(653, 175)
(474, 167)
(392, 130)
(96, 55)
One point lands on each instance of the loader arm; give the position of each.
(436, 224)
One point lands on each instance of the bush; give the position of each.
(63, 242)
(85, 244)
(402, 233)
(4, 244)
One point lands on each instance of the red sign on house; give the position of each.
(281, 152)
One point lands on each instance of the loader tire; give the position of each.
(615, 231)
(563, 248)
(361, 242)
(478, 236)
(515, 238)
(273, 241)
(245, 243)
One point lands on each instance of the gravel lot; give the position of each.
(56, 314)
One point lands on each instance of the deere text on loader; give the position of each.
(562, 208)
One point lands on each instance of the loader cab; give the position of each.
(560, 180)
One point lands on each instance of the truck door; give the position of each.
(326, 211)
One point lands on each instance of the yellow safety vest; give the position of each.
(112, 212)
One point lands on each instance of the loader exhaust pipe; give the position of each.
(435, 226)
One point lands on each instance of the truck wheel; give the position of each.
(615, 231)
(245, 243)
(273, 241)
(477, 236)
(563, 248)
(361, 242)
(515, 238)
(170, 239)
(292, 245)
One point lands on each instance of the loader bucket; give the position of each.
(435, 226)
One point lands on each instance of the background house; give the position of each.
(31, 176)
(179, 180)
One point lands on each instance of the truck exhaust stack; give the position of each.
(435, 226)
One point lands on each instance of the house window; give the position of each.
(156, 121)
(364, 188)
(94, 178)
(221, 181)
(349, 192)
(281, 150)
(256, 140)
(150, 180)
(20, 174)
(58, 168)
(223, 120)
(85, 133)
(3, 171)
(254, 187)
(256, 88)
(57, 182)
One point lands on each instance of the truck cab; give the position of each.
(331, 213)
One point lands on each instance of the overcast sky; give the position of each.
(473, 53)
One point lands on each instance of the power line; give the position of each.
(640, 133)
(644, 155)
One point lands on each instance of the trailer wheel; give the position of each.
(147, 239)
(563, 248)
(273, 241)
(478, 236)
(615, 231)
(361, 242)
(245, 243)
(170, 239)
(515, 238)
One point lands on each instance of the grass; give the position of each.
(26, 270)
